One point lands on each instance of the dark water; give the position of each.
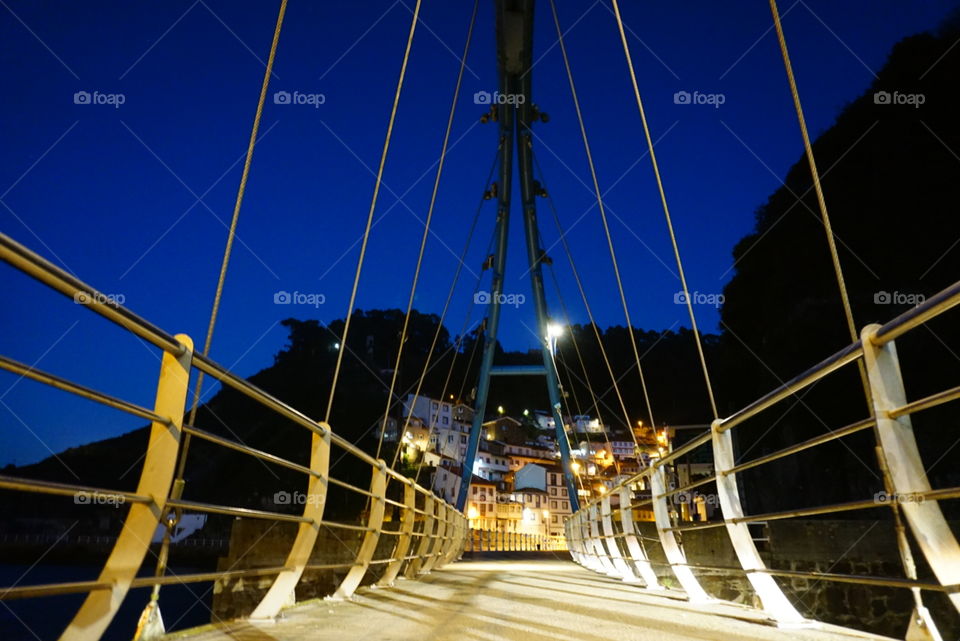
(44, 618)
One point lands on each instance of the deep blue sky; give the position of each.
(111, 193)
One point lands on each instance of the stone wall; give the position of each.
(259, 544)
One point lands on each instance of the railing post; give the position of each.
(597, 543)
(609, 537)
(636, 549)
(454, 538)
(439, 539)
(589, 554)
(378, 488)
(774, 601)
(907, 473)
(413, 568)
(409, 519)
(127, 555)
(571, 527)
(671, 548)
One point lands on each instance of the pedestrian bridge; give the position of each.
(424, 535)
(394, 567)
(534, 598)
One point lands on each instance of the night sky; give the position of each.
(135, 198)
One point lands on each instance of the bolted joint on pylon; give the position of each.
(490, 116)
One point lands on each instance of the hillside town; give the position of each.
(518, 484)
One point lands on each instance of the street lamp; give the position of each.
(554, 331)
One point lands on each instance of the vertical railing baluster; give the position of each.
(126, 557)
(637, 551)
(668, 540)
(623, 570)
(378, 488)
(774, 601)
(408, 520)
(429, 520)
(905, 465)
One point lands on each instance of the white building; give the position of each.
(450, 442)
(432, 412)
(490, 466)
(584, 424)
(559, 501)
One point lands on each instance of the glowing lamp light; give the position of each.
(472, 512)
(500, 409)
(554, 330)
(602, 489)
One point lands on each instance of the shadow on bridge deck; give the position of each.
(538, 597)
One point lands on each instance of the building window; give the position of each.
(553, 505)
(434, 405)
(566, 505)
(446, 421)
(563, 491)
(553, 491)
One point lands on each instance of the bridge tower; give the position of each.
(513, 109)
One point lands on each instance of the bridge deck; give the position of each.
(531, 600)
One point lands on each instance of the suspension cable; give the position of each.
(903, 545)
(221, 279)
(432, 422)
(666, 209)
(583, 368)
(459, 340)
(231, 234)
(461, 261)
(603, 213)
(586, 305)
(373, 206)
(431, 425)
(426, 230)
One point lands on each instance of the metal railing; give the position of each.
(480, 540)
(606, 539)
(431, 532)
